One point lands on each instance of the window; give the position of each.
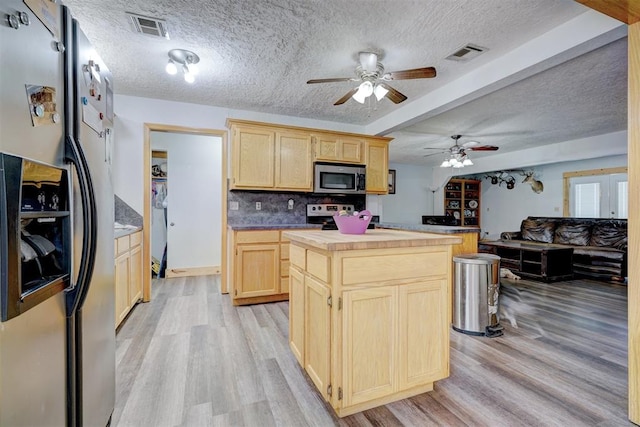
(601, 193)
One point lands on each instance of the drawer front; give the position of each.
(136, 239)
(318, 265)
(284, 251)
(284, 267)
(297, 256)
(122, 245)
(284, 285)
(379, 268)
(257, 236)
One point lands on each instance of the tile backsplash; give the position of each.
(275, 206)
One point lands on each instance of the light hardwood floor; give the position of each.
(189, 358)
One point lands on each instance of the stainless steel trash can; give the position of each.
(475, 294)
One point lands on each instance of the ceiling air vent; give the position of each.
(149, 26)
(466, 52)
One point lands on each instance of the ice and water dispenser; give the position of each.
(35, 233)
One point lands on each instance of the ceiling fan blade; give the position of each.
(346, 97)
(470, 144)
(368, 61)
(334, 80)
(434, 154)
(484, 148)
(393, 95)
(417, 73)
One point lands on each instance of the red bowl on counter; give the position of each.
(354, 224)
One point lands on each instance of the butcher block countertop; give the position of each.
(333, 240)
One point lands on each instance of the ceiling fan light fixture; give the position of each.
(445, 163)
(467, 162)
(380, 92)
(359, 96)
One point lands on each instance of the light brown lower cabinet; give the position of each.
(258, 266)
(370, 326)
(127, 274)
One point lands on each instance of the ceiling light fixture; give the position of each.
(457, 159)
(184, 60)
(366, 89)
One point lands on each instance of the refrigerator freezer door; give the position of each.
(32, 345)
(98, 311)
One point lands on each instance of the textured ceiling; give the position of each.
(258, 55)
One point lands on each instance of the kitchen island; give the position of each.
(368, 314)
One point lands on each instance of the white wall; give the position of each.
(133, 112)
(504, 210)
(413, 197)
(195, 199)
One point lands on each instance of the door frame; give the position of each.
(146, 179)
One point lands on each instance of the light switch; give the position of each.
(233, 206)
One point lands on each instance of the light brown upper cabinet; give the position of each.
(270, 158)
(338, 148)
(280, 158)
(377, 161)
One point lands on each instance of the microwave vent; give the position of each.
(149, 26)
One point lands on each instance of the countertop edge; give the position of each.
(429, 228)
(413, 239)
(121, 232)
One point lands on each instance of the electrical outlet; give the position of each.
(233, 206)
(290, 204)
(258, 206)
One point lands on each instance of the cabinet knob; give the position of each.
(172, 224)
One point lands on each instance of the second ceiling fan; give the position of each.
(373, 80)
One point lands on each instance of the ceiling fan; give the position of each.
(372, 77)
(460, 148)
(457, 157)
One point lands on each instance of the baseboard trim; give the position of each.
(192, 271)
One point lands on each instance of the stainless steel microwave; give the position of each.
(339, 179)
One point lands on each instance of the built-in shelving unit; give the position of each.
(462, 201)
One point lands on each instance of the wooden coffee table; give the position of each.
(542, 261)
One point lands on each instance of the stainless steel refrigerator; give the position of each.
(57, 339)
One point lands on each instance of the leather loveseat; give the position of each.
(599, 244)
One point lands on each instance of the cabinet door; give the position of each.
(369, 347)
(424, 333)
(257, 270)
(294, 165)
(317, 333)
(351, 150)
(296, 314)
(135, 275)
(121, 276)
(326, 147)
(253, 157)
(377, 167)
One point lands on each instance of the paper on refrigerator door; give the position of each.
(91, 116)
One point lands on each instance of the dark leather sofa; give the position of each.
(599, 244)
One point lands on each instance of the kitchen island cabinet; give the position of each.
(368, 314)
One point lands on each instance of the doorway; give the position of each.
(195, 164)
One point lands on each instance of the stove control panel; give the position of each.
(327, 209)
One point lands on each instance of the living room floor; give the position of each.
(189, 358)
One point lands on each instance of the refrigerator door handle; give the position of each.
(77, 294)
